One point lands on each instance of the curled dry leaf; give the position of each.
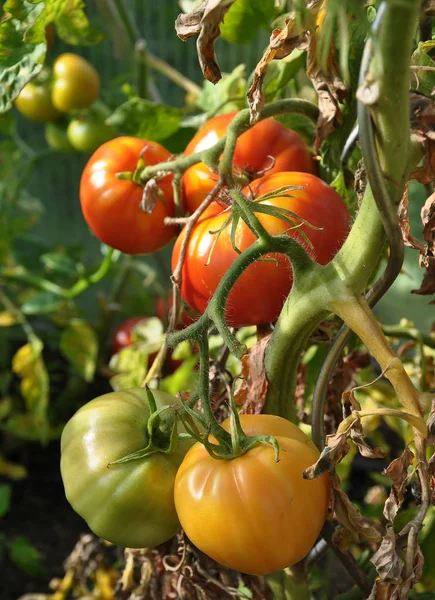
(427, 255)
(354, 527)
(335, 450)
(397, 471)
(405, 226)
(384, 590)
(252, 392)
(149, 196)
(387, 562)
(205, 21)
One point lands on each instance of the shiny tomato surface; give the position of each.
(253, 514)
(267, 145)
(111, 206)
(260, 292)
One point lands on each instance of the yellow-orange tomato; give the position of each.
(76, 83)
(271, 515)
(34, 102)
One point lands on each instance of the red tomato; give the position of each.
(260, 292)
(111, 206)
(256, 150)
(123, 335)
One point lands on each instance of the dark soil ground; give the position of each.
(40, 513)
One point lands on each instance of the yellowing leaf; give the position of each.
(7, 319)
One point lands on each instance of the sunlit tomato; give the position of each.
(34, 102)
(259, 294)
(76, 83)
(267, 145)
(87, 135)
(111, 205)
(57, 138)
(271, 425)
(132, 503)
(272, 515)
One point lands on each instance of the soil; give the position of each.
(40, 513)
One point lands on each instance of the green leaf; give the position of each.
(42, 303)
(183, 378)
(245, 17)
(280, 72)
(79, 345)
(423, 81)
(20, 60)
(26, 556)
(59, 263)
(226, 95)
(5, 498)
(28, 364)
(146, 119)
(302, 125)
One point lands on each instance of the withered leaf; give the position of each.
(428, 220)
(408, 239)
(252, 392)
(335, 450)
(330, 90)
(428, 284)
(387, 562)
(205, 20)
(356, 431)
(397, 471)
(384, 590)
(282, 43)
(149, 196)
(356, 527)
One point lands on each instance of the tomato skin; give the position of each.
(57, 138)
(130, 504)
(260, 292)
(34, 102)
(254, 149)
(252, 514)
(122, 338)
(87, 135)
(76, 83)
(111, 206)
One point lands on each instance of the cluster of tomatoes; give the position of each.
(111, 207)
(65, 99)
(250, 513)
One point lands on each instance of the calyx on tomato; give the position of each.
(260, 292)
(118, 465)
(268, 145)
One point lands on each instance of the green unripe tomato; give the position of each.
(86, 135)
(57, 138)
(132, 503)
(76, 83)
(34, 102)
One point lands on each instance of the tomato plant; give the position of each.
(34, 102)
(123, 336)
(130, 503)
(88, 134)
(209, 255)
(56, 137)
(76, 83)
(230, 507)
(164, 306)
(111, 205)
(268, 145)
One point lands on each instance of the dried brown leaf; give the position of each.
(387, 562)
(428, 284)
(384, 590)
(356, 432)
(356, 527)
(205, 21)
(335, 450)
(408, 239)
(330, 90)
(428, 220)
(252, 392)
(397, 471)
(149, 196)
(282, 43)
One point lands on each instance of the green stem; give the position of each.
(409, 333)
(96, 277)
(307, 306)
(141, 59)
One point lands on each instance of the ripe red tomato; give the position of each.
(260, 292)
(253, 514)
(111, 206)
(267, 143)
